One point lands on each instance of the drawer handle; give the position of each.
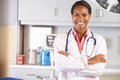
(56, 11)
(41, 77)
(101, 13)
(31, 75)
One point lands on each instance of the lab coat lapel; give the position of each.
(84, 46)
(73, 46)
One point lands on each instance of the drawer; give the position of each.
(29, 74)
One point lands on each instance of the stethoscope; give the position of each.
(90, 38)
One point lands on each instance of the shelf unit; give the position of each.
(33, 72)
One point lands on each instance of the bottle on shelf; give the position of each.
(32, 57)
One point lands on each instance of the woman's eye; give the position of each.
(84, 15)
(76, 14)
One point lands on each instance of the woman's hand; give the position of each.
(63, 53)
(97, 59)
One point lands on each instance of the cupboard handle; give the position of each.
(100, 13)
(97, 13)
(56, 11)
(118, 44)
(31, 75)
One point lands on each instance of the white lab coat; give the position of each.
(75, 66)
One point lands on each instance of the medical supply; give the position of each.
(32, 57)
(20, 59)
(38, 54)
(44, 57)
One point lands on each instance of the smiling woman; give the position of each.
(72, 61)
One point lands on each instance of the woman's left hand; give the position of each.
(97, 59)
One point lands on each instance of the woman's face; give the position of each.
(80, 18)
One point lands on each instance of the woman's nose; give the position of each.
(80, 18)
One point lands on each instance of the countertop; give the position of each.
(108, 70)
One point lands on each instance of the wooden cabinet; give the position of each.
(37, 11)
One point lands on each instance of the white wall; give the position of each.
(112, 36)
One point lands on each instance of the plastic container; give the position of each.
(20, 59)
(32, 57)
(44, 57)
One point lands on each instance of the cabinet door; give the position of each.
(28, 74)
(95, 11)
(105, 15)
(64, 11)
(37, 10)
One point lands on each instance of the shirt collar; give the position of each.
(75, 33)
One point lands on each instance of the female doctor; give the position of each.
(79, 54)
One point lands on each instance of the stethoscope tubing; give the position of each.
(92, 37)
(66, 46)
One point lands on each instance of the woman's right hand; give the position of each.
(63, 53)
(97, 59)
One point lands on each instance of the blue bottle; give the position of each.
(44, 57)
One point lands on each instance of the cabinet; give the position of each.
(106, 16)
(64, 8)
(64, 11)
(31, 72)
(102, 17)
(58, 12)
(37, 11)
(99, 16)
